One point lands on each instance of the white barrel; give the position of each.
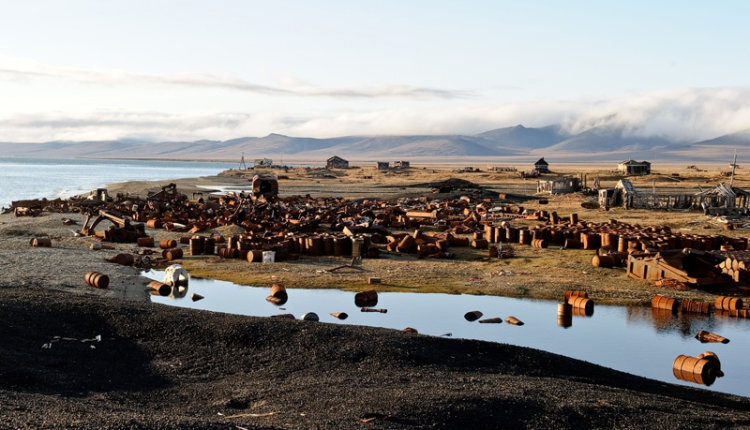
(269, 256)
(178, 278)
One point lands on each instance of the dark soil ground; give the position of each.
(165, 367)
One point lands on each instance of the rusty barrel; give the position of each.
(366, 298)
(196, 245)
(154, 223)
(478, 235)
(146, 242)
(489, 233)
(493, 252)
(573, 218)
(695, 306)
(157, 288)
(479, 244)
(208, 246)
(578, 293)
(41, 242)
(184, 240)
(255, 256)
(706, 336)
(728, 303)
(606, 261)
(582, 304)
(666, 303)
(172, 254)
(278, 294)
(167, 243)
(692, 369)
(340, 315)
(714, 359)
(513, 320)
(96, 279)
(524, 237)
(538, 243)
(472, 315)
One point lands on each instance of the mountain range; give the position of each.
(512, 143)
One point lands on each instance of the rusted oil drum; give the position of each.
(714, 359)
(314, 246)
(255, 256)
(622, 244)
(539, 243)
(328, 247)
(234, 242)
(278, 294)
(146, 242)
(571, 243)
(478, 235)
(607, 261)
(513, 321)
(695, 306)
(728, 303)
(582, 303)
(172, 254)
(692, 369)
(41, 242)
(340, 315)
(494, 253)
(167, 243)
(472, 315)
(196, 245)
(479, 244)
(96, 279)
(154, 223)
(489, 234)
(407, 244)
(571, 294)
(184, 240)
(573, 218)
(208, 246)
(157, 288)
(524, 237)
(367, 298)
(667, 303)
(442, 244)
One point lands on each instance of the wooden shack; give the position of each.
(541, 166)
(563, 185)
(337, 162)
(383, 165)
(632, 167)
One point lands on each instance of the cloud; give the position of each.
(679, 114)
(15, 69)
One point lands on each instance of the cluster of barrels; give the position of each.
(96, 280)
(737, 266)
(575, 303)
(201, 245)
(170, 250)
(731, 306)
(433, 245)
(703, 369)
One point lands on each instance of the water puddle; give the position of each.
(636, 340)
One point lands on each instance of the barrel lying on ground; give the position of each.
(157, 288)
(582, 304)
(41, 242)
(96, 280)
(666, 303)
(728, 303)
(703, 369)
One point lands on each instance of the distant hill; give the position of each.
(518, 142)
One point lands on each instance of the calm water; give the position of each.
(630, 339)
(22, 178)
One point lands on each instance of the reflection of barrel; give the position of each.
(41, 241)
(473, 315)
(367, 298)
(146, 242)
(691, 369)
(278, 295)
(157, 288)
(728, 303)
(582, 304)
(172, 254)
(96, 279)
(564, 315)
(667, 303)
(695, 306)
(167, 243)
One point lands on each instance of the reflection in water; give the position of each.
(631, 339)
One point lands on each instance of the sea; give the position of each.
(30, 178)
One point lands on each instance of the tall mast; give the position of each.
(734, 167)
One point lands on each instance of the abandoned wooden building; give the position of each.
(687, 265)
(563, 185)
(262, 162)
(400, 164)
(337, 162)
(720, 200)
(632, 167)
(383, 165)
(541, 166)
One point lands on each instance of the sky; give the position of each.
(189, 70)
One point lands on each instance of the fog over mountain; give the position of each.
(517, 142)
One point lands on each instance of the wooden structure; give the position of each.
(714, 201)
(337, 162)
(400, 164)
(541, 166)
(684, 265)
(632, 167)
(563, 185)
(383, 165)
(262, 162)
